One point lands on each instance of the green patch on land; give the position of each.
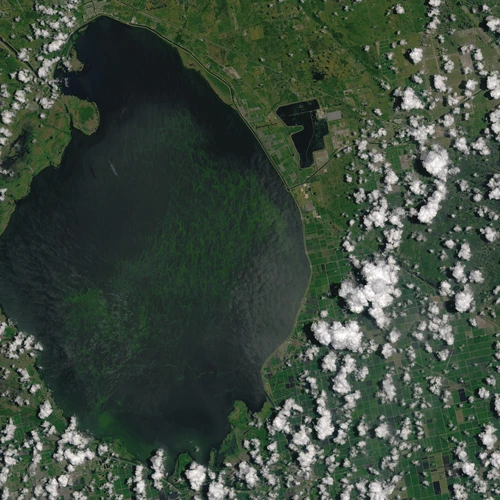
(84, 114)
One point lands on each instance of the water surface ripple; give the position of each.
(163, 262)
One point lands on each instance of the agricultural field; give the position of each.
(386, 388)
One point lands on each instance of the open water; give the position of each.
(162, 262)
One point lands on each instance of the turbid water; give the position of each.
(162, 262)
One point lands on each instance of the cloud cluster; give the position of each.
(348, 336)
(324, 427)
(416, 55)
(464, 300)
(158, 469)
(45, 410)
(72, 447)
(280, 422)
(493, 84)
(493, 24)
(436, 161)
(139, 483)
(430, 209)
(196, 475)
(377, 292)
(409, 100)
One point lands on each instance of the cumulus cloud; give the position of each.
(493, 24)
(458, 272)
(460, 144)
(218, 491)
(280, 422)
(339, 336)
(378, 291)
(416, 55)
(493, 84)
(488, 437)
(436, 161)
(387, 392)
(7, 117)
(45, 410)
(382, 431)
(494, 185)
(196, 475)
(464, 300)
(440, 83)
(72, 446)
(428, 212)
(248, 474)
(324, 427)
(158, 469)
(139, 483)
(465, 252)
(8, 432)
(489, 233)
(329, 363)
(409, 99)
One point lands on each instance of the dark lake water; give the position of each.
(162, 262)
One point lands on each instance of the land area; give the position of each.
(414, 406)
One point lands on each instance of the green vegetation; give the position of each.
(84, 115)
(37, 144)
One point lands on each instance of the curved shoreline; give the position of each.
(233, 103)
(202, 68)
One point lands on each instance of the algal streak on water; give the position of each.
(163, 262)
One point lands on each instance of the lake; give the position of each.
(164, 260)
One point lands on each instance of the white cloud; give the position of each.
(158, 469)
(248, 474)
(382, 431)
(440, 83)
(196, 475)
(476, 276)
(8, 432)
(460, 144)
(324, 427)
(140, 485)
(496, 404)
(428, 212)
(387, 392)
(378, 292)
(387, 350)
(217, 490)
(339, 336)
(494, 185)
(464, 300)
(7, 117)
(488, 437)
(416, 55)
(458, 272)
(45, 410)
(493, 24)
(481, 146)
(329, 362)
(489, 233)
(280, 422)
(465, 252)
(436, 161)
(409, 99)
(301, 437)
